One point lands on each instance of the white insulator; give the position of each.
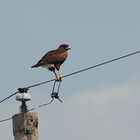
(23, 97)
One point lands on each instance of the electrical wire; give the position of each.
(92, 67)
(39, 106)
(5, 120)
(100, 64)
(88, 68)
(42, 105)
(46, 104)
(54, 95)
(8, 97)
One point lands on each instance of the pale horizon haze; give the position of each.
(102, 103)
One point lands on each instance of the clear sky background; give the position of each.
(102, 103)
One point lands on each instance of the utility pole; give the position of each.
(25, 124)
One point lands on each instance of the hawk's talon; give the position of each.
(58, 79)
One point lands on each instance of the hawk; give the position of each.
(53, 59)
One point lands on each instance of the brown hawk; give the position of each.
(53, 59)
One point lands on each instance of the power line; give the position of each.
(100, 64)
(39, 106)
(56, 96)
(5, 120)
(88, 68)
(8, 97)
(94, 66)
(42, 105)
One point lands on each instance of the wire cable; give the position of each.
(39, 106)
(5, 120)
(100, 64)
(42, 105)
(88, 68)
(8, 97)
(92, 67)
(46, 104)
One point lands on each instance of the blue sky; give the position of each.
(98, 104)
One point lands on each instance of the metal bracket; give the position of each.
(55, 93)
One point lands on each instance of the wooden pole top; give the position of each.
(25, 126)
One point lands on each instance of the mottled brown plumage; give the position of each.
(53, 59)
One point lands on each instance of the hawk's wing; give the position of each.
(53, 57)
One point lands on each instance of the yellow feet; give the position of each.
(58, 78)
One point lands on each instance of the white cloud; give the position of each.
(105, 113)
(106, 96)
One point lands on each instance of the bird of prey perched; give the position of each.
(53, 59)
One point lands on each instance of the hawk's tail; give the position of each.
(35, 66)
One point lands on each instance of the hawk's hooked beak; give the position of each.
(68, 48)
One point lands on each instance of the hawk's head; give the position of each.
(64, 46)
